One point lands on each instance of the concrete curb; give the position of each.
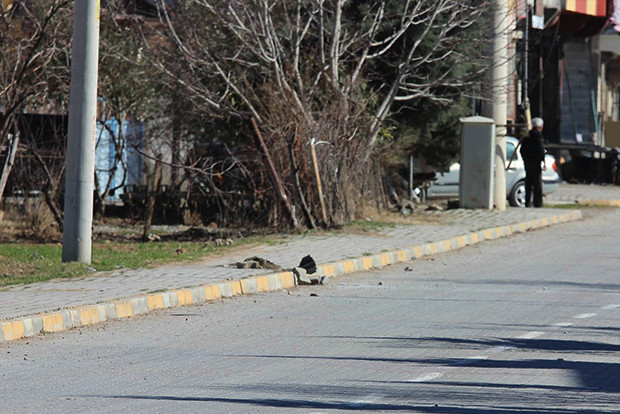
(598, 203)
(66, 319)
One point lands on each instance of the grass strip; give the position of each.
(24, 263)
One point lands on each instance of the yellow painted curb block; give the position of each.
(600, 203)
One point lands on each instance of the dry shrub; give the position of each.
(39, 221)
(192, 218)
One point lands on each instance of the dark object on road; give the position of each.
(308, 264)
(408, 269)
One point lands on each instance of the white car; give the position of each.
(447, 184)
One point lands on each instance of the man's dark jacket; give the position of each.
(533, 147)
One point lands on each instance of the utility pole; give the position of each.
(80, 171)
(496, 109)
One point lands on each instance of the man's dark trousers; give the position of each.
(533, 183)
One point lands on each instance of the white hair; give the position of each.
(537, 122)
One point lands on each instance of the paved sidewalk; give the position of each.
(30, 309)
(585, 194)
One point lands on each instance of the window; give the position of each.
(510, 150)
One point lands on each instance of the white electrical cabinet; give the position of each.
(477, 163)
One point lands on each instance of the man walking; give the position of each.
(533, 153)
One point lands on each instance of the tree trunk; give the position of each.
(153, 186)
(49, 194)
(300, 193)
(51, 186)
(275, 178)
(99, 203)
(8, 163)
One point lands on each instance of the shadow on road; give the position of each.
(346, 406)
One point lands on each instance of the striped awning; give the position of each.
(589, 7)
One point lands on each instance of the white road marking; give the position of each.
(563, 324)
(609, 307)
(530, 335)
(584, 316)
(426, 377)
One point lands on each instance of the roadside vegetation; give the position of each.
(23, 263)
(241, 103)
(263, 117)
(26, 258)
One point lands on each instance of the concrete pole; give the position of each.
(496, 109)
(80, 171)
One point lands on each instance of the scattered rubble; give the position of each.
(153, 237)
(222, 242)
(305, 278)
(305, 273)
(434, 207)
(224, 236)
(256, 262)
(406, 207)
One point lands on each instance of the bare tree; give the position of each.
(34, 44)
(332, 68)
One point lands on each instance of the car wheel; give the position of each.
(517, 195)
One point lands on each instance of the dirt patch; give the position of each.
(29, 226)
(14, 270)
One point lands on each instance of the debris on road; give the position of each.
(303, 278)
(307, 267)
(305, 273)
(434, 207)
(256, 262)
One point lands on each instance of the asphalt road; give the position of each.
(526, 324)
